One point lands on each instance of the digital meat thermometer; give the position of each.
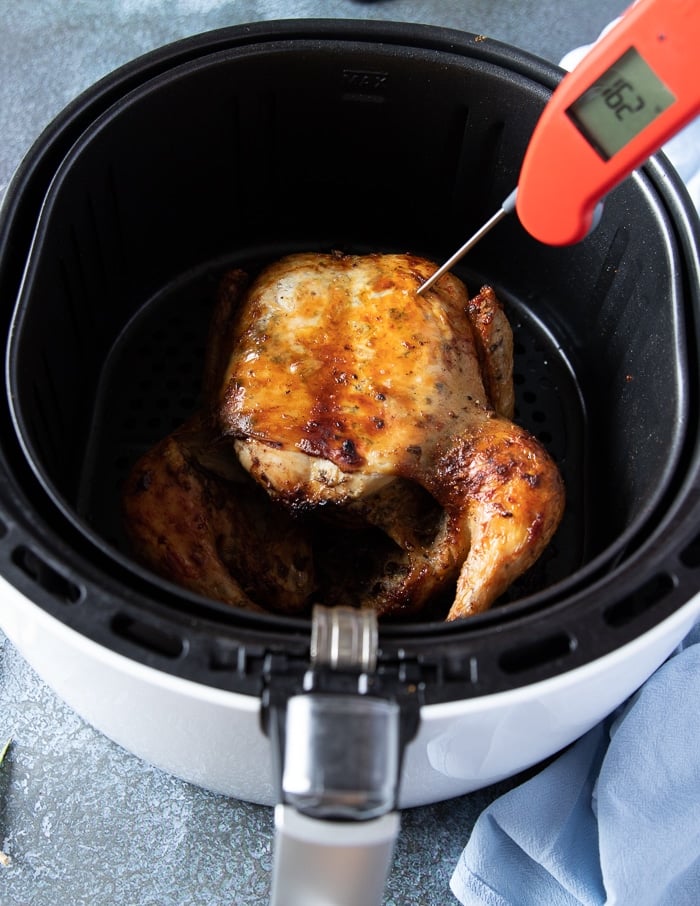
(636, 88)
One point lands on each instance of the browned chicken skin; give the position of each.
(378, 423)
(195, 518)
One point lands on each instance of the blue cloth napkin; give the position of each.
(614, 820)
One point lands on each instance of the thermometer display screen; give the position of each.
(626, 98)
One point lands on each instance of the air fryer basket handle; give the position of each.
(336, 825)
(339, 736)
(340, 863)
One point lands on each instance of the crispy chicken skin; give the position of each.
(195, 519)
(378, 423)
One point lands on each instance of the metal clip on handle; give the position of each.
(335, 827)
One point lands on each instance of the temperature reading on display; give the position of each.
(622, 98)
(626, 98)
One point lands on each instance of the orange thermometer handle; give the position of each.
(635, 89)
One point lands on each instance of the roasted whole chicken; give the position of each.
(355, 445)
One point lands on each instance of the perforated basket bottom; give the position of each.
(150, 384)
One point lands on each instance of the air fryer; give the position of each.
(232, 149)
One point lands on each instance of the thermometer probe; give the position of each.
(635, 89)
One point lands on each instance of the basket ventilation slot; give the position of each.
(45, 575)
(639, 602)
(148, 636)
(537, 654)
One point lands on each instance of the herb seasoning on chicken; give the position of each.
(378, 423)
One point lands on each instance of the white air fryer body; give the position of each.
(213, 738)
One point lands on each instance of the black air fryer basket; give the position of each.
(236, 147)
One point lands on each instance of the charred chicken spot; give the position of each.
(501, 511)
(349, 453)
(378, 422)
(344, 377)
(325, 439)
(414, 450)
(380, 396)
